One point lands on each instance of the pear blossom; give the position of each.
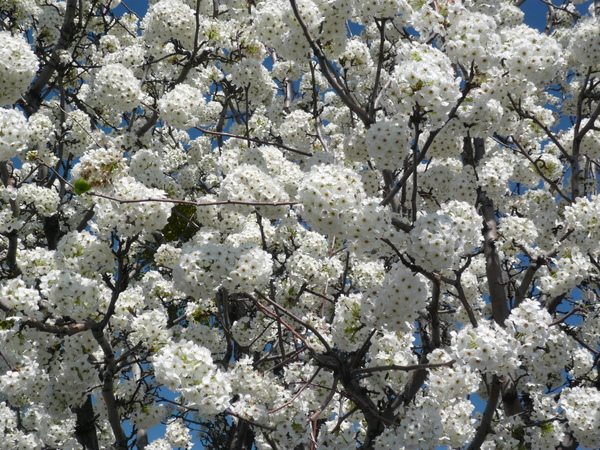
(295, 224)
(18, 66)
(13, 133)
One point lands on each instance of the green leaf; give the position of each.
(81, 186)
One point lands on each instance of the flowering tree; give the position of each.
(299, 224)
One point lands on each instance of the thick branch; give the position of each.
(85, 430)
(493, 269)
(33, 98)
(403, 368)
(13, 237)
(463, 300)
(108, 392)
(486, 420)
(434, 314)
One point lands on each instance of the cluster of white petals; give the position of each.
(18, 65)
(185, 107)
(328, 194)
(45, 199)
(14, 133)
(581, 405)
(137, 208)
(116, 88)
(189, 369)
(100, 166)
(389, 142)
(488, 348)
(395, 303)
(169, 19)
(438, 240)
(251, 184)
(203, 269)
(424, 76)
(584, 45)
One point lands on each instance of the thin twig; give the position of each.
(403, 368)
(256, 141)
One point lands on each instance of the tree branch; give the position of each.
(107, 377)
(331, 75)
(32, 99)
(485, 425)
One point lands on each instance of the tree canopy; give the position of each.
(299, 224)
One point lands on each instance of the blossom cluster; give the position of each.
(201, 270)
(422, 77)
(438, 240)
(189, 369)
(185, 107)
(140, 209)
(249, 183)
(328, 194)
(13, 133)
(580, 406)
(397, 301)
(116, 89)
(18, 65)
(388, 142)
(100, 166)
(488, 348)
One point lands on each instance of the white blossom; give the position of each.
(580, 406)
(189, 369)
(116, 88)
(18, 66)
(13, 133)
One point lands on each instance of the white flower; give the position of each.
(532, 55)
(99, 166)
(202, 269)
(396, 301)
(423, 76)
(83, 252)
(45, 199)
(150, 328)
(15, 294)
(584, 45)
(159, 444)
(130, 218)
(347, 330)
(488, 348)
(185, 107)
(438, 240)
(581, 405)
(250, 184)
(169, 19)
(116, 88)
(87, 296)
(189, 369)
(14, 133)
(570, 270)
(18, 65)
(389, 142)
(328, 194)
(530, 324)
(178, 435)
